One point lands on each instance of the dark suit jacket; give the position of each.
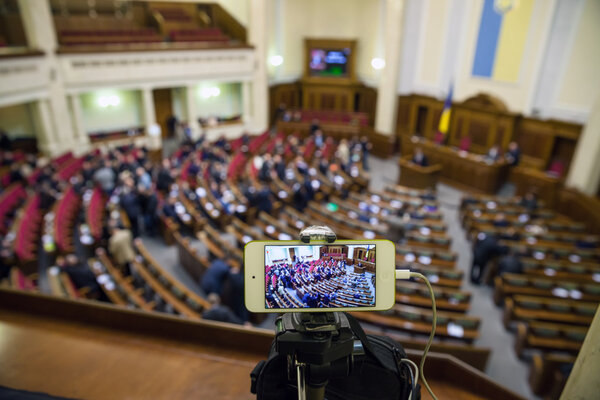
(423, 162)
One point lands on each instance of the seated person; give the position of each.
(214, 277)
(465, 144)
(419, 158)
(513, 155)
(556, 169)
(587, 242)
(80, 275)
(529, 201)
(494, 153)
(510, 264)
(168, 208)
(500, 221)
(219, 312)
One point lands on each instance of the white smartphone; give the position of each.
(346, 275)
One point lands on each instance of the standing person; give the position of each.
(164, 178)
(171, 125)
(343, 152)
(130, 203)
(236, 280)
(120, 246)
(319, 139)
(4, 141)
(365, 146)
(105, 177)
(513, 155)
(484, 250)
(419, 158)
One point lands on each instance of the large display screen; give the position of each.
(323, 276)
(329, 63)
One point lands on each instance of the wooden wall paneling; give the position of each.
(436, 114)
(163, 109)
(536, 140)
(366, 101)
(403, 116)
(287, 93)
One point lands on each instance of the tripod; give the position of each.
(318, 346)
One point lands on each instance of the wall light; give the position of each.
(276, 60)
(208, 92)
(378, 63)
(109, 101)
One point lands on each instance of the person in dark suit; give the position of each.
(314, 126)
(164, 178)
(263, 200)
(529, 201)
(238, 305)
(220, 312)
(513, 155)
(500, 221)
(214, 277)
(168, 208)
(4, 141)
(279, 166)
(419, 158)
(81, 276)
(485, 249)
(131, 205)
(264, 174)
(510, 264)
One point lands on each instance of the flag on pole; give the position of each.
(444, 124)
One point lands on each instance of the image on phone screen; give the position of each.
(319, 276)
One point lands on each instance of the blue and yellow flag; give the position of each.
(444, 124)
(503, 31)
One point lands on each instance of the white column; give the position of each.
(192, 111)
(246, 103)
(153, 132)
(385, 117)
(47, 138)
(148, 107)
(584, 173)
(82, 138)
(39, 29)
(257, 37)
(583, 380)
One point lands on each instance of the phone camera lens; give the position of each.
(253, 277)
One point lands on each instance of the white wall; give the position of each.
(227, 104)
(17, 121)
(127, 114)
(581, 81)
(338, 19)
(558, 76)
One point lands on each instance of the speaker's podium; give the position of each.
(416, 176)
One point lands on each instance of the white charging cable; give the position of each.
(407, 274)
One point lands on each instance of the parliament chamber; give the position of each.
(144, 144)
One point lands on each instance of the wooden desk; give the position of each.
(465, 170)
(547, 186)
(86, 349)
(413, 175)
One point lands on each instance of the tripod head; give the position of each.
(318, 346)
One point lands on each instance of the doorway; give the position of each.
(163, 110)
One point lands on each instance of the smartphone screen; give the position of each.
(320, 276)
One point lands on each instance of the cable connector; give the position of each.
(403, 274)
